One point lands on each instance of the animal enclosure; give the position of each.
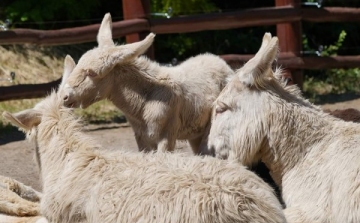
(287, 15)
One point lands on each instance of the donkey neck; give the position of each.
(58, 135)
(134, 82)
(293, 129)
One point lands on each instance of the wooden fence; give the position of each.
(287, 15)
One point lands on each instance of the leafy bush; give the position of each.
(332, 81)
(181, 7)
(43, 14)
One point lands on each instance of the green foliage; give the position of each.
(344, 80)
(42, 10)
(332, 50)
(182, 7)
(332, 81)
(183, 46)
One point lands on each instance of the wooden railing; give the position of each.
(185, 24)
(287, 16)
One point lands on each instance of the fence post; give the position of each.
(290, 37)
(137, 9)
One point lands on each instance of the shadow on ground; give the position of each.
(335, 98)
(10, 134)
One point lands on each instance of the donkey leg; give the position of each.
(13, 204)
(166, 144)
(19, 188)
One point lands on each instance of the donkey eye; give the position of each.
(90, 73)
(219, 109)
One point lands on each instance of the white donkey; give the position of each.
(313, 157)
(161, 103)
(83, 182)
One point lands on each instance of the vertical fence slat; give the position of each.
(289, 35)
(137, 9)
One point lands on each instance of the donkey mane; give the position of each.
(275, 83)
(69, 127)
(143, 65)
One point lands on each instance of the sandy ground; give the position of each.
(16, 154)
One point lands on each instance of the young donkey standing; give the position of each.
(313, 157)
(83, 182)
(161, 103)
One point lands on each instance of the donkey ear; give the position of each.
(69, 65)
(127, 52)
(104, 37)
(271, 52)
(26, 119)
(253, 73)
(265, 41)
(132, 50)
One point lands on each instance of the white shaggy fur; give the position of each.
(161, 103)
(83, 182)
(14, 219)
(313, 157)
(18, 203)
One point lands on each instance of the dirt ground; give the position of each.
(16, 154)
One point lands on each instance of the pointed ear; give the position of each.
(265, 41)
(253, 73)
(132, 50)
(26, 119)
(69, 65)
(104, 37)
(271, 52)
(126, 52)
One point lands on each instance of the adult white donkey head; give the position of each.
(30, 118)
(239, 120)
(92, 77)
